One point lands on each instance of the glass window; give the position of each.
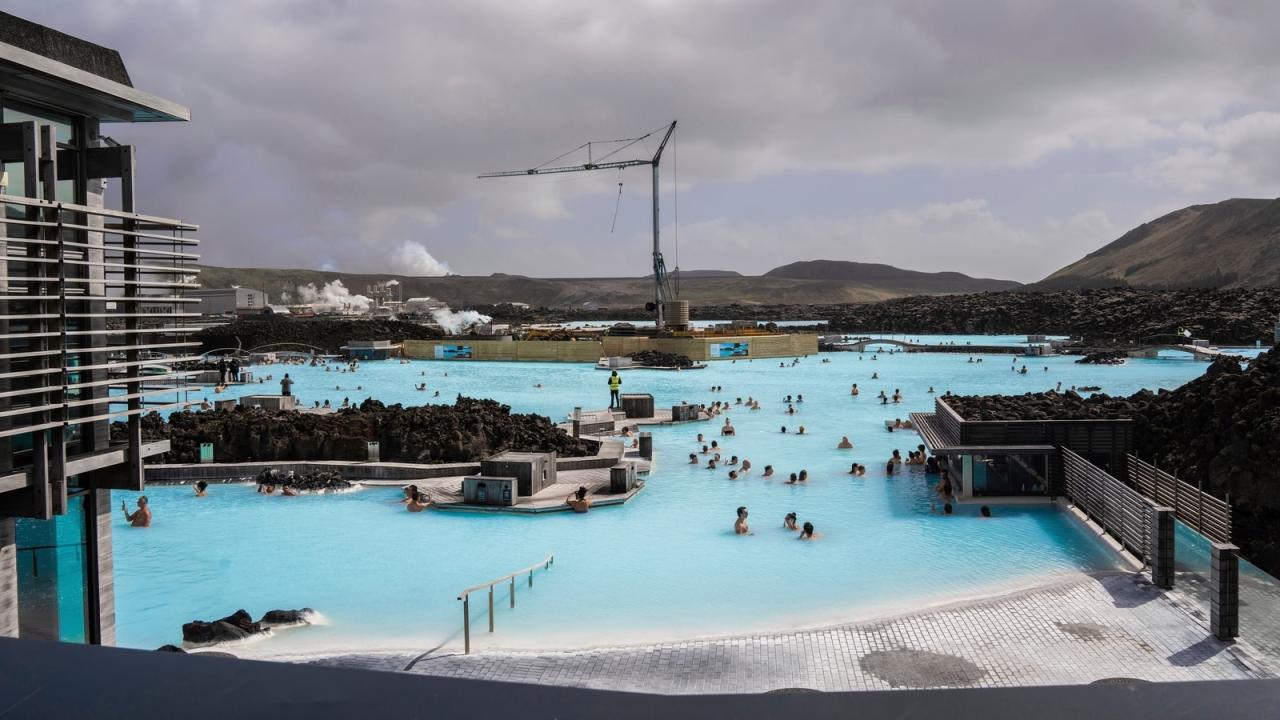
(53, 575)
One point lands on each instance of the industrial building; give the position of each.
(230, 301)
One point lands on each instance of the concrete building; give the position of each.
(91, 296)
(229, 301)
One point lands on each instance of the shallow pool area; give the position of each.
(665, 565)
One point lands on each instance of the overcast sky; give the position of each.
(1001, 139)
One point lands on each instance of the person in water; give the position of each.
(733, 474)
(740, 526)
(844, 444)
(793, 479)
(804, 476)
(202, 488)
(789, 522)
(746, 465)
(890, 468)
(418, 502)
(140, 517)
(768, 471)
(693, 459)
(806, 533)
(854, 390)
(985, 511)
(579, 500)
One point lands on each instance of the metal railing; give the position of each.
(1121, 511)
(465, 596)
(1206, 514)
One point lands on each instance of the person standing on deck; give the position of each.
(286, 386)
(615, 387)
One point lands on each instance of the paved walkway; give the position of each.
(1077, 631)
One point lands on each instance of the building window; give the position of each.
(53, 575)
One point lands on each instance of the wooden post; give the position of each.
(490, 608)
(513, 592)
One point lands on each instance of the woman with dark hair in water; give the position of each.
(889, 467)
(807, 532)
(789, 522)
(202, 488)
(578, 500)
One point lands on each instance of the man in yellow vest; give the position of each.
(615, 386)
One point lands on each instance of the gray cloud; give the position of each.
(336, 132)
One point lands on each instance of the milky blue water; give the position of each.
(664, 566)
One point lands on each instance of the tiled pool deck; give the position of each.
(1077, 631)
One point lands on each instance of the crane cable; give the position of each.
(675, 204)
(618, 204)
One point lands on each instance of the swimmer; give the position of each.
(844, 444)
(410, 492)
(854, 389)
(740, 525)
(288, 491)
(579, 500)
(746, 465)
(793, 479)
(733, 474)
(985, 511)
(789, 522)
(733, 460)
(784, 430)
(807, 532)
(768, 471)
(804, 476)
(889, 468)
(693, 459)
(140, 517)
(711, 464)
(202, 488)
(800, 431)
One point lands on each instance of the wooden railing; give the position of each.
(465, 596)
(1204, 513)
(1121, 511)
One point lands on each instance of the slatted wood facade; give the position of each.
(1206, 514)
(1124, 513)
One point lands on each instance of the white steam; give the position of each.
(455, 322)
(412, 258)
(333, 295)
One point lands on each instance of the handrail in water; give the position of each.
(465, 596)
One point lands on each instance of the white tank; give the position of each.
(677, 313)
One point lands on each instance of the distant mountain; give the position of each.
(700, 287)
(1231, 244)
(888, 276)
(686, 274)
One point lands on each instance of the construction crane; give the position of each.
(662, 293)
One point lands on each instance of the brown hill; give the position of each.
(1231, 244)
(718, 289)
(890, 277)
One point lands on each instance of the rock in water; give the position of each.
(236, 626)
(278, 618)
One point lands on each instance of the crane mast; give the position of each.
(662, 293)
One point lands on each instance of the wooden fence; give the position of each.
(1119, 509)
(1206, 514)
